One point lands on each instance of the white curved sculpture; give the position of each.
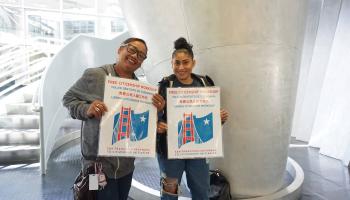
(65, 68)
(252, 50)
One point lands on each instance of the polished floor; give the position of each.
(325, 178)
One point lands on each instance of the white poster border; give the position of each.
(202, 106)
(128, 134)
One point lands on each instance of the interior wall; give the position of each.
(331, 130)
(314, 67)
(321, 113)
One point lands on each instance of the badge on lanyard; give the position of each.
(97, 179)
(93, 182)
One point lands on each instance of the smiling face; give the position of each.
(183, 65)
(131, 56)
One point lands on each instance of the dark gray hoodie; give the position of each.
(77, 100)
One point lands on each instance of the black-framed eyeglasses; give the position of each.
(132, 50)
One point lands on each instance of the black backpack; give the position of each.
(219, 186)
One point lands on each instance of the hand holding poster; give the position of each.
(194, 124)
(129, 126)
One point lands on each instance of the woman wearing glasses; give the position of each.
(84, 101)
(197, 170)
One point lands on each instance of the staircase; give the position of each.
(19, 127)
(20, 69)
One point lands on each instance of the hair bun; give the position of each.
(182, 43)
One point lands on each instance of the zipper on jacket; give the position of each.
(115, 172)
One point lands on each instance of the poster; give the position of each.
(129, 126)
(194, 124)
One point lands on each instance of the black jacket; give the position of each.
(167, 82)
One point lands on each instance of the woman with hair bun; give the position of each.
(197, 170)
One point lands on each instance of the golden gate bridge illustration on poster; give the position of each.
(130, 125)
(195, 130)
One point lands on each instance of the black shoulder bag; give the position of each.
(219, 186)
(81, 186)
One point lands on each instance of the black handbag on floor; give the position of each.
(81, 186)
(219, 186)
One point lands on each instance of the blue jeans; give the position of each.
(197, 175)
(116, 189)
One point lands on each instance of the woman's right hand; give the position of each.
(97, 109)
(162, 127)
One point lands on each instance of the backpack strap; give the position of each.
(169, 80)
(206, 80)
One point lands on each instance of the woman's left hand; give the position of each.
(223, 115)
(162, 127)
(158, 101)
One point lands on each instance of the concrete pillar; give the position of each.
(252, 51)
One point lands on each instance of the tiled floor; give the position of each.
(325, 178)
(24, 182)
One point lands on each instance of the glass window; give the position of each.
(34, 30)
(118, 25)
(52, 4)
(43, 24)
(11, 24)
(78, 24)
(48, 20)
(108, 28)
